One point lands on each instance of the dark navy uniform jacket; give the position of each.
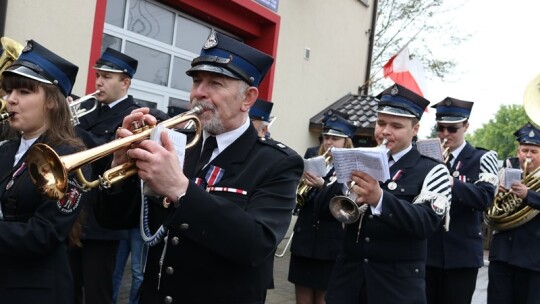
(388, 254)
(221, 242)
(462, 245)
(520, 246)
(317, 234)
(101, 127)
(34, 234)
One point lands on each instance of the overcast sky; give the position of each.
(495, 65)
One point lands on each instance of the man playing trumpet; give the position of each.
(514, 267)
(454, 255)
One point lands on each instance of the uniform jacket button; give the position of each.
(416, 270)
(370, 216)
(169, 270)
(184, 226)
(366, 261)
(175, 241)
(367, 239)
(168, 300)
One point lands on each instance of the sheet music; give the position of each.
(430, 147)
(179, 142)
(373, 161)
(511, 176)
(316, 166)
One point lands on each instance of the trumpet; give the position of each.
(303, 188)
(75, 107)
(49, 172)
(344, 207)
(4, 115)
(446, 151)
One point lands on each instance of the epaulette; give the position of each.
(276, 144)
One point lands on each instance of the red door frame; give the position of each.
(256, 24)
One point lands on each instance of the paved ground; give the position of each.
(284, 290)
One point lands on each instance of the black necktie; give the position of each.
(209, 145)
(104, 108)
(390, 158)
(449, 162)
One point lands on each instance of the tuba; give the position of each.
(303, 188)
(12, 51)
(508, 210)
(49, 172)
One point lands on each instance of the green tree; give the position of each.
(498, 133)
(399, 21)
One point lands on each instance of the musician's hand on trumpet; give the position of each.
(367, 188)
(157, 165)
(313, 180)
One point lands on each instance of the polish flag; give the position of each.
(406, 72)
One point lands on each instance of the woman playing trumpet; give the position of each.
(318, 236)
(35, 231)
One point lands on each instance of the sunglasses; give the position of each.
(450, 129)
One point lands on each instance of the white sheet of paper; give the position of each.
(373, 161)
(179, 142)
(430, 147)
(511, 176)
(316, 166)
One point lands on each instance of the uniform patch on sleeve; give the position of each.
(70, 202)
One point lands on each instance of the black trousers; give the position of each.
(510, 284)
(450, 286)
(92, 267)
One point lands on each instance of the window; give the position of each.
(163, 40)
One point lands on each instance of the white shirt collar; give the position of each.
(456, 152)
(112, 104)
(401, 153)
(226, 139)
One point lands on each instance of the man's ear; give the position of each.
(249, 99)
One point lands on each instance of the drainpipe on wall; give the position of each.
(3, 14)
(364, 89)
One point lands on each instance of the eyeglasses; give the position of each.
(450, 129)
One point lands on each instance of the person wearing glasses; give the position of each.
(384, 252)
(454, 255)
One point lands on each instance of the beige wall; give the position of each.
(335, 31)
(64, 27)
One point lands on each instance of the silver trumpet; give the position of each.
(344, 208)
(75, 107)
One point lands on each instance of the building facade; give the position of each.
(321, 47)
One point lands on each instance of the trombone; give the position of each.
(49, 172)
(75, 107)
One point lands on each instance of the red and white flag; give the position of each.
(406, 72)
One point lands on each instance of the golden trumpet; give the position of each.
(49, 172)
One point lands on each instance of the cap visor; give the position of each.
(450, 119)
(211, 69)
(106, 68)
(395, 112)
(333, 132)
(26, 72)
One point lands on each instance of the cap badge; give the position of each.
(211, 41)
(394, 91)
(28, 47)
(531, 134)
(447, 102)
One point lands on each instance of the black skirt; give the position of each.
(311, 273)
